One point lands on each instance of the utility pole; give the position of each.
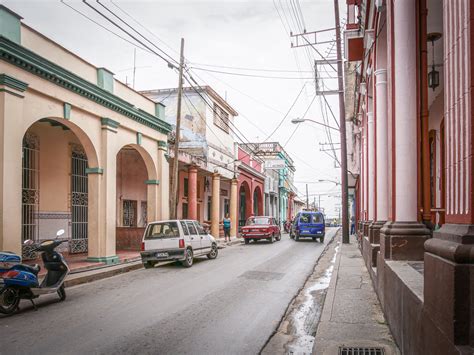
(175, 176)
(134, 66)
(342, 130)
(307, 198)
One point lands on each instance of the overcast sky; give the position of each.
(244, 34)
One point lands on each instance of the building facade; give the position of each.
(251, 182)
(409, 105)
(274, 155)
(208, 186)
(80, 150)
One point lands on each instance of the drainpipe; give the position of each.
(425, 149)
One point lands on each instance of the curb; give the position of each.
(101, 273)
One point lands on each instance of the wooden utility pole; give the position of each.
(342, 130)
(175, 174)
(307, 198)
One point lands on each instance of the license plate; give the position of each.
(162, 255)
(304, 232)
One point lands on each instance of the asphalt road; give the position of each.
(230, 305)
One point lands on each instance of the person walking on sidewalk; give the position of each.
(226, 223)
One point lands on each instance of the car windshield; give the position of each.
(162, 230)
(252, 221)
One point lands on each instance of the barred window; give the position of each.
(221, 118)
(129, 213)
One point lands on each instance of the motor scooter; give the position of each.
(20, 281)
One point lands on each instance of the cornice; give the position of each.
(27, 60)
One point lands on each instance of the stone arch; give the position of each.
(245, 202)
(56, 156)
(258, 201)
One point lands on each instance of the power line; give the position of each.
(250, 75)
(250, 69)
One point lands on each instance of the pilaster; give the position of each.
(233, 208)
(215, 204)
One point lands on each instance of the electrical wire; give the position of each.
(250, 75)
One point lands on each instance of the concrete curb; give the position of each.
(101, 273)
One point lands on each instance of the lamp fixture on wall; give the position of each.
(433, 75)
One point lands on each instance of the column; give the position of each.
(404, 238)
(216, 189)
(449, 255)
(11, 138)
(163, 175)
(381, 155)
(192, 192)
(371, 164)
(102, 246)
(233, 208)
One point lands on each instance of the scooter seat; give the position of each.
(31, 268)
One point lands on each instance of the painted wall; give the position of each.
(131, 177)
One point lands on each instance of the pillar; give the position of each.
(152, 187)
(103, 180)
(192, 192)
(216, 189)
(233, 208)
(449, 255)
(381, 156)
(11, 138)
(163, 175)
(371, 165)
(403, 238)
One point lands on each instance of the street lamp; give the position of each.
(333, 181)
(301, 120)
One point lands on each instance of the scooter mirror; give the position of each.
(59, 232)
(28, 242)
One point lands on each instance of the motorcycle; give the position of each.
(20, 281)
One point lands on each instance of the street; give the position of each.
(228, 305)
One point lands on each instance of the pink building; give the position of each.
(409, 114)
(250, 184)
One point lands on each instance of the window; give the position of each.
(221, 118)
(185, 187)
(258, 220)
(198, 189)
(185, 210)
(162, 230)
(191, 227)
(226, 206)
(318, 218)
(129, 215)
(185, 229)
(305, 218)
(209, 199)
(200, 228)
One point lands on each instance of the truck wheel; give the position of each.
(272, 238)
(314, 239)
(246, 241)
(321, 239)
(279, 237)
(297, 237)
(188, 258)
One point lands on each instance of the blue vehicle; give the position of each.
(308, 224)
(19, 281)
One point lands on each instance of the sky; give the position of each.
(219, 34)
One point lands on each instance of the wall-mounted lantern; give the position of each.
(433, 75)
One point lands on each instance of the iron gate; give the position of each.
(30, 193)
(79, 201)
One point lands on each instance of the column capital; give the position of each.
(234, 181)
(192, 168)
(215, 176)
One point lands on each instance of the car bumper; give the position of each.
(310, 235)
(256, 235)
(162, 255)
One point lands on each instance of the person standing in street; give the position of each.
(226, 223)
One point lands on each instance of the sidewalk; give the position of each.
(351, 315)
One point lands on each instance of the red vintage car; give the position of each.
(260, 227)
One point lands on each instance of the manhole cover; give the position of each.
(262, 275)
(343, 350)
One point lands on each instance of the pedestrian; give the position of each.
(226, 223)
(353, 225)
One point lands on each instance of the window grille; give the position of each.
(129, 213)
(79, 201)
(30, 192)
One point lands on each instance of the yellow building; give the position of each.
(79, 150)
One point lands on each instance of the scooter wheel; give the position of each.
(9, 300)
(62, 293)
